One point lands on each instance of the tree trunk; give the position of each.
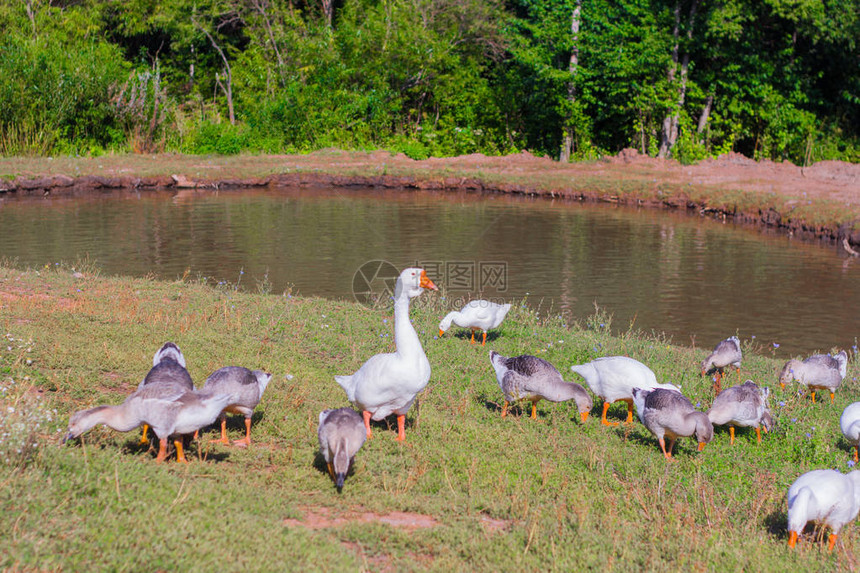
(328, 11)
(262, 8)
(227, 86)
(671, 123)
(567, 143)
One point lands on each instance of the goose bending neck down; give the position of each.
(669, 414)
(181, 413)
(388, 383)
(478, 315)
(827, 496)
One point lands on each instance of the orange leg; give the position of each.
(758, 435)
(223, 439)
(331, 470)
(717, 386)
(401, 428)
(792, 539)
(367, 416)
(162, 450)
(813, 396)
(663, 447)
(629, 419)
(603, 420)
(484, 341)
(534, 410)
(246, 441)
(671, 446)
(857, 454)
(732, 434)
(180, 454)
(832, 397)
(143, 439)
(473, 336)
(505, 409)
(832, 542)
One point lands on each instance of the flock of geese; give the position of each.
(389, 383)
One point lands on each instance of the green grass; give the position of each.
(564, 495)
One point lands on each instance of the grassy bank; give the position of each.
(477, 492)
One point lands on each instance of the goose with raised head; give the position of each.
(167, 376)
(818, 372)
(341, 434)
(613, 379)
(168, 415)
(478, 315)
(726, 353)
(669, 414)
(745, 406)
(849, 423)
(532, 378)
(826, 496)
(247, 387)
(388, 383)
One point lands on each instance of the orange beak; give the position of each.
(441, 332)
(782, 385)
(426, 282)
(701, 446)
(584, 416)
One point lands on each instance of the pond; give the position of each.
(696, 279)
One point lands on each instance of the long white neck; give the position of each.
(405, 336)
(587, 371)
(449, 318)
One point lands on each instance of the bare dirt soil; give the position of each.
(821, 200)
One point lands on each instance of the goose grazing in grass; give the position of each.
(613, 379)
(532, 378)
(168, 415)
(744, 405)
(388, 383)
(668, 413)
(819, 371)
(341, 433)
(247, 387)
(167, 377)
(477, 315)
(726, 353)
(826, 496)
(849, 423)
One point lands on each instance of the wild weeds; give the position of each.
(25, 421)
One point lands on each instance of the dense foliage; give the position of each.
(776, 79)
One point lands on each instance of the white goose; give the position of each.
(819, 371)
(827, 496)
(613, 379)
(849, 423)
(726, 353)
(388, 383)
(477, 315)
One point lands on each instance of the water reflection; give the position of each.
(692, 278)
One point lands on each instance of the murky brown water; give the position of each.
(686, 276)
